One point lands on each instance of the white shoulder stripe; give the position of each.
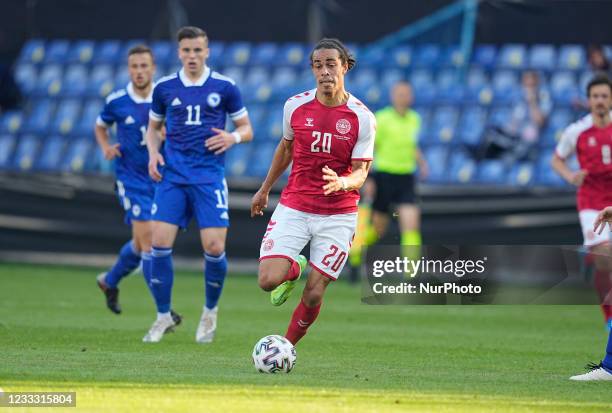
(219, 76)
(115, 95)
(165, 79)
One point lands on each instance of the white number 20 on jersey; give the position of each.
(325, 143)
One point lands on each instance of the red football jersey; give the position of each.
(593, 147)
(322, 135)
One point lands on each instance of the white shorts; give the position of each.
(587, 220)
(330, 237)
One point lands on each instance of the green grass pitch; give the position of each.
(56, 335)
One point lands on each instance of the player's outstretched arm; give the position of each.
(109, 151)
(354, 180)
(223, 140)
(604, 216)
(573, 177)
(281, 160)
(154, 140)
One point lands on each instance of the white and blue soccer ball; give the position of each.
(274, 354)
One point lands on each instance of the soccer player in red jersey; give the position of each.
(591, 139)
(328, 134)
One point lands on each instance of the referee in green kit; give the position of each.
(396, 161)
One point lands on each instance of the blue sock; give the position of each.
(214, 274)
(162, 277)
(146, 268)
(607, 361)
(127, 262)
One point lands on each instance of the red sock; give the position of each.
(293, 273)
(603, 285)
(302, 318)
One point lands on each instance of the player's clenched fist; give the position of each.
(154, 161)
(333, 181)
(259, 203)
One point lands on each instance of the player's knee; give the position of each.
(266, 280)
(214, 247)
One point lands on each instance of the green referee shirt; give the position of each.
(396, 141)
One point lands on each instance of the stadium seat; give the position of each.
(87, 120)
(436, 157)
(583, 81)
(49, 82)
(559, 119)
(293, 54)
(257, 75)
(462, 168)
(25, 77)
(32, 52)
(505, 84)
(522, 174)
(273, 129)
(257, 115)
(477, 88)
(492, 172)
(27, 150)
(485, 56)
(81, 51)
(426, 56)
(260, 159)
(545, 175)
(51, 153)
(500, 116)
(57, 51)
(107, 52)
(101, 81)
(40, 116)
(122, 77)
(237, 74)
(237, 159)
(237, 54)
(572, 57)
(444, 124)
(66, 117)
(164, 53)
(79, 156)
(452, 56)
(7, 146)
(11, 121)
(364, 77)
(286, 83)
(564, 88)
(401, 57)
(423, 85)
(389, 77)
(450, 89)
(215, 59)
(512, 56)
(471, 125)
(542, 57)
(264, 54)
(373, 57)
(75, 80)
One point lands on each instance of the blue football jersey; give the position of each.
(131, 114)
(191, 109)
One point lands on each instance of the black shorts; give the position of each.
(393, 189)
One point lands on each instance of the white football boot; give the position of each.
(160, 327)
(207, 327)
(596, 373)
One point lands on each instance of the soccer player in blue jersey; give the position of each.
(194, 103)
(128, 108)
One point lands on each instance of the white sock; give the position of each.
(166, 316)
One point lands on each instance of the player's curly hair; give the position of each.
(329, 43)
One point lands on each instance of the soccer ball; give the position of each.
(274, 354)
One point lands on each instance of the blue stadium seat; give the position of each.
(79, 155)
(164, 52)
(285, 81)
(101, 81)
(452, 56)
(373, 57)
(257, 115)
(81, 52)
(107, 52)
(426, 56)
(261, 158)
(572, 57)
(363, 77)
(122, 77)
(471, 125)
(583, 81)
(492, 171)
(32, 52)
(477, 88)
(75, 80)
(26, 77)
(257, 75)
(462, 168)
(264, 54)
(522, 174)
(57, 51)
(485, 56)
(40, 116)
(437, 156)
(450, 88)
(66, 117)
(512, 56)
(49, 81)
(237, 159)
(389, 77)
(28, 147)
(257, 86)
(564, 88)
(545, 175)
(542, 57)
(505, 84)
(11, 121)
(500, 116)
(237, 54)
(424, 134)
(51, 153)
(273, 129)
(87, 120)
(401, 57)
(559, 119)
(236, 73)
(215, 59)
(444, 124)
(423, 85)
(293, 54)
(7, 146)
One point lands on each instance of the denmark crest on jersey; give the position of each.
(343, 126)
